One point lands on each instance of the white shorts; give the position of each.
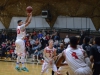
(64, 69)
(83, 71)
(46, 66)
(20, 46)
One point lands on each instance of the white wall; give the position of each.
(37, 21)
(74, 22)
(61, 22)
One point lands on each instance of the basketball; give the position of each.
(29, 9)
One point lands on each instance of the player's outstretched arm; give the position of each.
(60, 60)
(29, 18)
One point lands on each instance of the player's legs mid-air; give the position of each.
(20, 51)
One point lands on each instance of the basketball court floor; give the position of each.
(8, 68)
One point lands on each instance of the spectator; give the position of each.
(56, 36)
(59, 50)
(43, 32)
(43, 42)
(86, 45)
(56, 44)
(35, 55)
(8, 42)
(34, 33)
(82, 35)
(95, 56)
(40, 35)
(13, 45)
(47, 32)
(91, 41)
(66, 41)
(32, 41)
(37, 45)
(47, 38)
(11, 52)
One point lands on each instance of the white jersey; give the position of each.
(75, 58)
(49, 53)
(21, 31)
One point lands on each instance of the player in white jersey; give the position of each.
(76, 59)
(20, 44)
(49, 55)
(64, 69)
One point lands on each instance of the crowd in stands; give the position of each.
(35, 42)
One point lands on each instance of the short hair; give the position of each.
(19, 21)
(78, 38)
(87, 39)
(50, 40)
(73, 41)
(97, 40)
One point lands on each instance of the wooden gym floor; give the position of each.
(8, 68)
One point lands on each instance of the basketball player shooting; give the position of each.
(20, 44)
(49, 55)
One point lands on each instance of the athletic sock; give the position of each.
(17, 64)
(23, 65)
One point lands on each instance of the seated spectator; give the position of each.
(28, 47)
(37, 45)
(14, 56)
(11, 52)
(13, 45)
(26, 38)
(40, 35)
(7, 54)
(32, 41)
(35, 55)
(8, 42)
